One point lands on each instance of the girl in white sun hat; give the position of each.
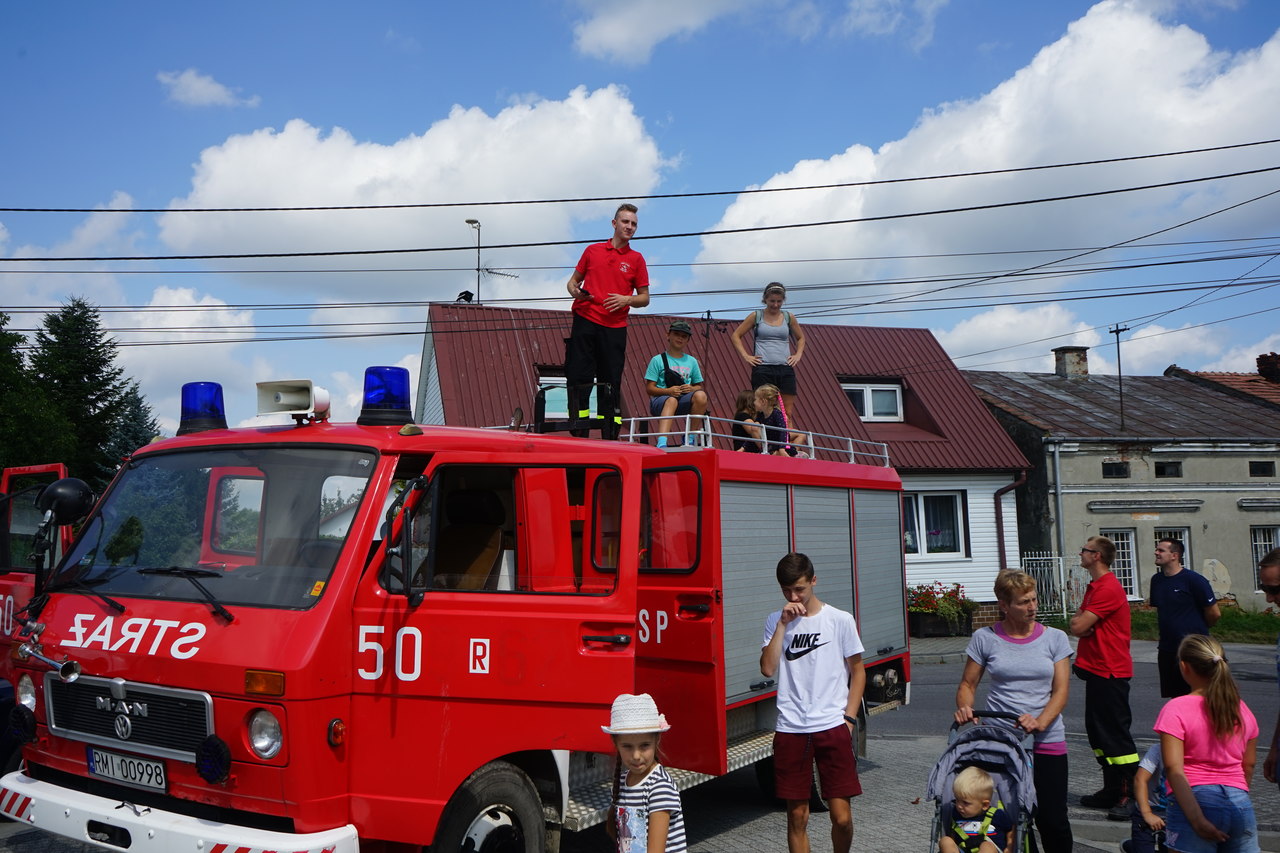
(647, 817)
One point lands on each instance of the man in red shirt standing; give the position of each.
(1104, 662)
(611, 278)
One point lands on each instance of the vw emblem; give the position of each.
(124, 727)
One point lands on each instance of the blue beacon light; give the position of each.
(386, 397)
(202, 408)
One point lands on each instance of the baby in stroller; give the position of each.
(972, 824)
(983, 788)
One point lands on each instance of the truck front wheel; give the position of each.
(496, 810)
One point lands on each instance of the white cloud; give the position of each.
(1243, 358)
(540, 149)
(886, 17)
(628, 30)
(978, 342)
(1119, 82)
(193, 89)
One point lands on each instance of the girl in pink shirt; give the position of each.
(1209, 741)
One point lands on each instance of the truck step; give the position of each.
(589, 804)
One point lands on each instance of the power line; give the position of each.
(647, 197)
(709, 233)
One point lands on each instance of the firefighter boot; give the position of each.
(1106, 796)
(1123, 809)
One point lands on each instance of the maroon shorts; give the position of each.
(794, 756)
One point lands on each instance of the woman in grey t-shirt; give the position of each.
(1030, 669)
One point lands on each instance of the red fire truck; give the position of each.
(385, 636)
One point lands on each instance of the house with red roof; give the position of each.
(481, 363)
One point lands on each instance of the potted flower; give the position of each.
(939, 610)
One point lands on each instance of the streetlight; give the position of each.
(475, 223)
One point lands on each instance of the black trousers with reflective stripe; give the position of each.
(1107, 719)
(595, 353)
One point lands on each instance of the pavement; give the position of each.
(1104, 834)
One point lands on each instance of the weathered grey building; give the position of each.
(1141, 458)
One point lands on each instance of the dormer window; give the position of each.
(875, 401)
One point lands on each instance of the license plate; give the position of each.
(139, 772)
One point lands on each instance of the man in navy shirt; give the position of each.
(1185, 604)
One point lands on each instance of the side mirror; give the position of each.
(67, 500)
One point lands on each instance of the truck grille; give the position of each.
(140, 718)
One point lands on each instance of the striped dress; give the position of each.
(655, 793)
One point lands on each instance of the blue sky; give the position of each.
(285, 104)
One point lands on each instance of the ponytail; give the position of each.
(1205, 657)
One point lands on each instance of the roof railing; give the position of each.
(693, 431)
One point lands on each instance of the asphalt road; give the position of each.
(729, 814)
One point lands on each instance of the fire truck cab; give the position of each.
(341, 637)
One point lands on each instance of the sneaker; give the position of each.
(1101, 799)
(1122, 810)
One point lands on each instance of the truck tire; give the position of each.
(496, 810)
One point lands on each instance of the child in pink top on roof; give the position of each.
(1209, 741)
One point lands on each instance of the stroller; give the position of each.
(1005, 753)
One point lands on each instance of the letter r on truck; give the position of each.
(479, 656)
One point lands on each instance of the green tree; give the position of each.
(136, 426)
(32, 431)
(74, 360)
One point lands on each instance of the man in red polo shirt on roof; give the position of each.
(1105, 663)
(611, 278)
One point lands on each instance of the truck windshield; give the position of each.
(258, 526)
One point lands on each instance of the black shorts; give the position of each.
(781, 375)
(1171, 682)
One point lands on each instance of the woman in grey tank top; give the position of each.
(773, 362)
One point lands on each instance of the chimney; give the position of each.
(1269, 367)
(1071, 362)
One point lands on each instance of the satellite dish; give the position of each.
(1218, 576)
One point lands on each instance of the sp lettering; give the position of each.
(653, 624)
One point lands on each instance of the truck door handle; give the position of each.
(885, 650)
(762, 685)
(612, 639)
(696, 608)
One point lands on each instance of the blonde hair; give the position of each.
(1204, 656)
(973, 783)
(1013, 582)
(770, 393)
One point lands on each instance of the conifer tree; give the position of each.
(31, 431)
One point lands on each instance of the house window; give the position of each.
(1262, 469)
(875, 402)
(1262, 540)
(1125, 565)
(933, 523)
(557, 398)
(1115, 470)
(1177, 534)
(1168, 468)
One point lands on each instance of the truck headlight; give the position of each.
(27, 692)
(265, 736)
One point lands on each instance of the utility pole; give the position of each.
(1116, 330)
(475, 223)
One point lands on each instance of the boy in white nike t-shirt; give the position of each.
(816, 654)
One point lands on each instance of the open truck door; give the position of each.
(680, 656)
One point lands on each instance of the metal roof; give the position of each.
(1155, 407)
(488, 360)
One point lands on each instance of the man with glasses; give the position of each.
(1104, 663)
(1269, 583)
(1185, 604)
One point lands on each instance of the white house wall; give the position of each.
(977, 573)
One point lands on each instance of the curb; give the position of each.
(1107, 835)
(946, 657)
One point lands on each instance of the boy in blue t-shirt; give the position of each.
(674, 381)
(1149, 804)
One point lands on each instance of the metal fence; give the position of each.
(1060, 586)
